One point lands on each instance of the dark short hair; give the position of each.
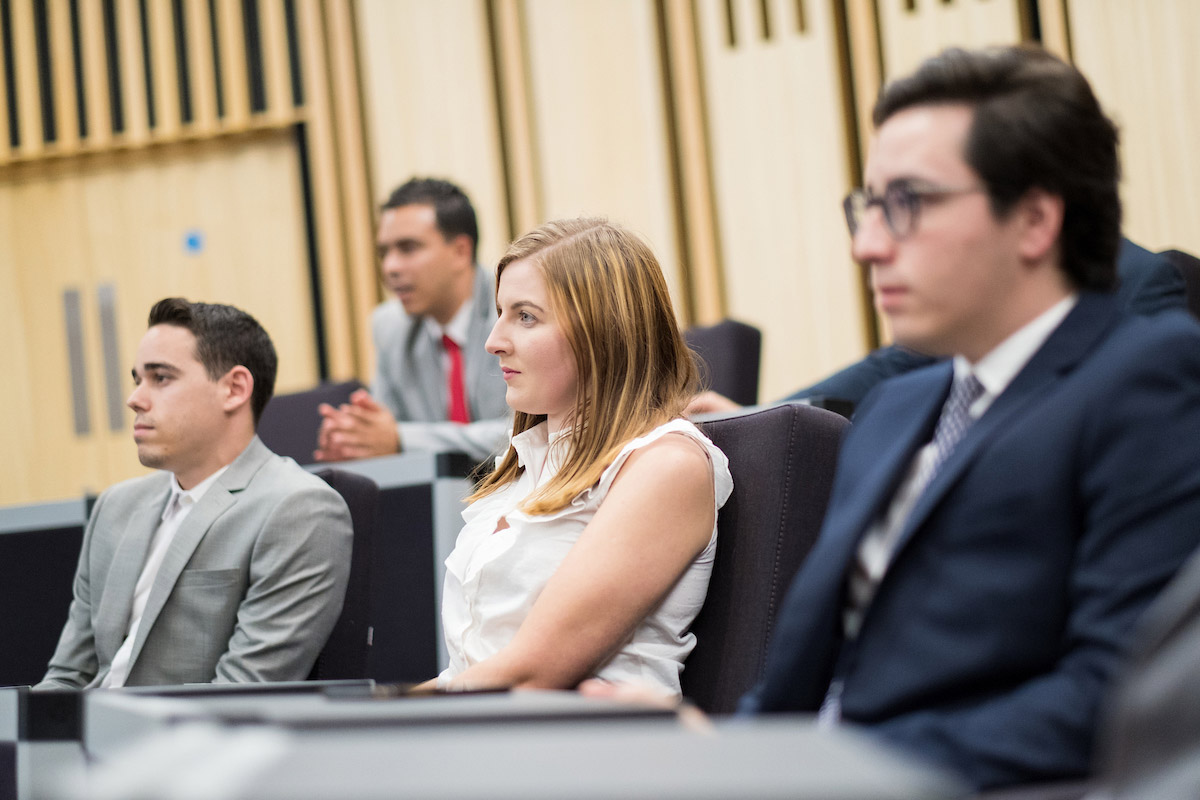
(226, 337)
(453, 211)
(1036, 124)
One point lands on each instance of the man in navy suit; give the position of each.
(1000, 520)
(1147, 283)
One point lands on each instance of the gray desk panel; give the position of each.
(786, 758)
(116, 719)
(42, 516)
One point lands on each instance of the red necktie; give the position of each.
(454, 382)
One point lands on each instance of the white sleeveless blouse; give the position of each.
(494, 577)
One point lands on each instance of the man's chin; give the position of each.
(151, 458)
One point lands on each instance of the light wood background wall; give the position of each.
(725, 131)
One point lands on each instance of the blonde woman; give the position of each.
(587, 552)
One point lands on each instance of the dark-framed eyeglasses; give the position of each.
(901, 203)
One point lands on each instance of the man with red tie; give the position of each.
(435, 387)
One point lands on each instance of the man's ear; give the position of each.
(238, 385)
(461, 245)
(1040, 215)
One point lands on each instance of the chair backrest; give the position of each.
(345, 654)
(290, 421)
(1189, 267)
(728, 357)
(782, 459)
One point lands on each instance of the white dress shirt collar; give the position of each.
(1000, 366)
(459, 327)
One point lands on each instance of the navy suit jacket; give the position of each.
(1023, 567)
(1148, 283)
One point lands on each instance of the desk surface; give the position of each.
(777, 758)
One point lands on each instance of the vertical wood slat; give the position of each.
(133, 75)
(357, 216)
(29, 110)
(1056, 36)
(164, 67)
(275, 60)
(233, 63)
(516, 116)
(866, 66)
(62, 62)
(861, 65)
(202, 77)
(322, 147)
(5, 142)
(699, 222)
(95, 74)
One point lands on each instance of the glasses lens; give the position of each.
(854, 205)
(900, 205)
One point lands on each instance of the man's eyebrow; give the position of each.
(150, 366)
(383, 244)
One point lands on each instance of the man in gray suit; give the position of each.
(435, 386)
(230, 564)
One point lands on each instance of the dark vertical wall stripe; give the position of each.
(314, 260)
(81, 108)
(115, 95)
(182, 70)
(41, 35)
(147, 65)
(293, 39)
(10, 75)
(214, 26)
(254, 59)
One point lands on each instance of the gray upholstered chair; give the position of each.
(290, 422)
(728, 355)
(346, 653)
(782, 459)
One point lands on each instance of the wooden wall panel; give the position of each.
(1143, 63)
(15, 475)
(429, 105)
(600, 119)
(124, 221)
(43, 245)
(910, 36)
(782, 162)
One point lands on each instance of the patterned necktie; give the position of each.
(455, 385)
(952, 425)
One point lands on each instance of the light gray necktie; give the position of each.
(952, 425)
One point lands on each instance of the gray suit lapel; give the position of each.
(480, 366)
(426, 356)
(116, 599)
(219, 498)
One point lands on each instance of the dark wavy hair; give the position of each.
(1037, 124)
(226, 337)
(453, 212)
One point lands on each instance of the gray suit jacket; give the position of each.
(249, 589)
(410, 379)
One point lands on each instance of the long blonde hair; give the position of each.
(634, 369)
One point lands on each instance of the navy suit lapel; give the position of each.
(1092, 316)
(921, 401)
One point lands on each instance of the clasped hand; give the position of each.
(359, 428)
